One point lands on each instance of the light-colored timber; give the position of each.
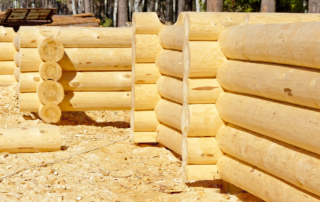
(199, 172)
(16, 59)
(50, 113)
(284, 83)
(146, 96)
(29, 82)
(7, 51)
(16, 73)
(145, 137)
(33, 139)
(170, 138)
(272, 156)
(7, 80)
(7, 34)
(181, 17)
(81, 37)
(146, 23)
(51, 49)
(146, 73)
(172, 37)
(169, 113)
(50, 92)
(7, 67)
(50, 71)
(201, 151)
(290, 124)
(260, 183)
(169, 63)
(145, 121)
(280, 18)
(200, 120)
(147, 47)
(80, 101)
(249, 43)
(202, 58)
(16, 42)
(170, 88)
(81, 59)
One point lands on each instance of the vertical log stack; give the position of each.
(87, 69)
(7, 54)
(272, 109)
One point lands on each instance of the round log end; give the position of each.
(50, 92)
(50, 71)
(51, 49)
(50, 113)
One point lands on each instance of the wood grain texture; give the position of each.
(170, 138)
(199, 172)
(7, 67)
(7, 80)
(50, 92)
(172, 37)
(169, 113)
(7, 51)
(147, 47)
(170, 88)
(145, 137)
(146, 73)
(146, 96)
(170, 63)
(50, 113)
(51, 49)
(145, 121)
(146, 23)
(50, 71)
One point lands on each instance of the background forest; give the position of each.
(118, 13)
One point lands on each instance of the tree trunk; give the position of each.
(181, 6)
(115, 12)
(169, 11)
(130, 10)
(214, 5)
(123, 13)
(151, 6)
(74, 11)
(87, 7)
(136, 6)
(80, 6)
(268, 6)
(314, 6)
(198, 6)
(50, 4)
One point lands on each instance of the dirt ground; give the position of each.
(121, 172)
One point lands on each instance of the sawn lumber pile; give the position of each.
(78, 20)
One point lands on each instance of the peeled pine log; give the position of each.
(7, 51)
(17, 74)
(146, 96)
(280, 18)
(146, 48)
(199, 172)
(201, 91)
(146, 73)
(145, 137)
(200, 120)
(81, 59)
(170, 63)
(27, 140)
(290, 44)
(202, 59)
(201, 151)
(145, 121)
(260, 183)
(169, 113)
(16, 42)
(7, 67)
(273, 156)
(80, 37)
(172, 37)
(16, 59)
(7, 80)
(290, 124)
(50, 113)
(170, 138)
(202, 26)
(181, 17)
(7, 34)
(284, 83)
(146, 23)
(50, 92)
(50, 71)
(80, 101)
(51, 49)
(29, 82)
(170, 88)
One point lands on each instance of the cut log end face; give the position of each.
(50, 113)
(50, 71)
(51, 50)
(50, 92)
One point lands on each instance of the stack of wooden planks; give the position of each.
(78, 20)
(91, 66)
(7, 53)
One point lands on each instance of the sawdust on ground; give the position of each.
(119, 172)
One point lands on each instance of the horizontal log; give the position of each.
(7, 34)
(16, 42)
(200, 120)
(7, 80)
(81, 37)
(172, 37)
(146, 23)
(7, 51)
(250, 43)
(170, 63)
(280, 18)
(30, 140)
(7, 67)
(287, 123)
(83, 15)
(202, 59)
(278, 82)
(145, 121)
(146, 48)
(170, 88)
(272, 156)
(81, 81)
(201, 151)
(145, 137)
(16, 59)
(169, 138)
(181, 17)
(259, 183)
(199, 172)
(80, 101)
(169, 113)
(146, 96)
(146, 73)
(81, 59)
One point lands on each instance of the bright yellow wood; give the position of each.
(7, 67)
(169, 113)
(146, 23)
(172, 37)
(146, 73)
(169, 63)
(145, 121)
(146, 48)
(146, 96)
(170, 88)
(170, 138)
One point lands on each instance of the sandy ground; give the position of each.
(119, 172)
